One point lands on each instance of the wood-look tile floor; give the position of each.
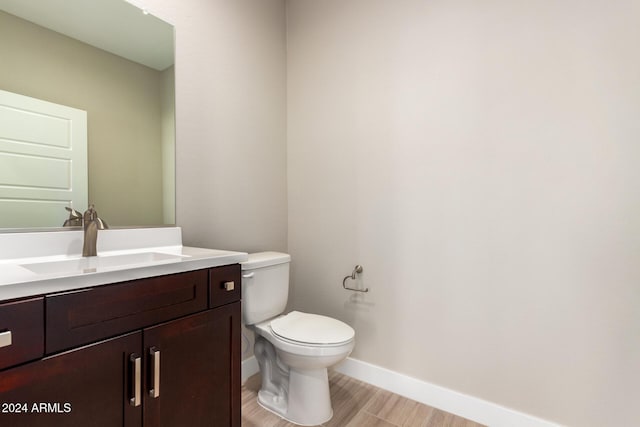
(355, 404)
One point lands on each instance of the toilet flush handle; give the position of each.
(248, 276)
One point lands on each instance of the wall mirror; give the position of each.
(116, 62)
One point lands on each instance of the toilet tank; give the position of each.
(265, 286)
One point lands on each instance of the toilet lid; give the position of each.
(311, 328)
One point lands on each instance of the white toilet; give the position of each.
(292, 350)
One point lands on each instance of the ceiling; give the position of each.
(115, 26)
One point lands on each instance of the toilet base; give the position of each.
(300, 396)
(310, 408)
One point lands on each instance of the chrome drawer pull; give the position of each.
(136, 361)
(155, 370)
(229, 286)
(5, 339)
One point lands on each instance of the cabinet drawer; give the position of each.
(89, 315)
(224, 285)
(21, 331)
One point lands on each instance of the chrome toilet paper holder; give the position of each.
(357, 270)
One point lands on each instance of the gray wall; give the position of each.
(230, 109)
(481, 161)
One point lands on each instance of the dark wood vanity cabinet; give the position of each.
(82, 387)
(21, 331)
(199, 370)
(141, 353)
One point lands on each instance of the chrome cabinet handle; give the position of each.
(136, 362)
(229, 286)
(154, 390)
(5, 339)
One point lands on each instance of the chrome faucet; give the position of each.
(91, 224)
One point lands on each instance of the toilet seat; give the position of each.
(311, 329)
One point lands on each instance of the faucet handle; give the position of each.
(102, 224)
(73, 214)
(75, 218)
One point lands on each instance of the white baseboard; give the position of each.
(469, 407)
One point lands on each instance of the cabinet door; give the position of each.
(199, 370)
(87, 387)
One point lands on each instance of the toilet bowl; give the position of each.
(293, 350)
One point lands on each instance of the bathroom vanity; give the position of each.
(138, 340)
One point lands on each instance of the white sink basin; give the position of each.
(101, 263)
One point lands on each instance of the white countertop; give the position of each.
(122, 255)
